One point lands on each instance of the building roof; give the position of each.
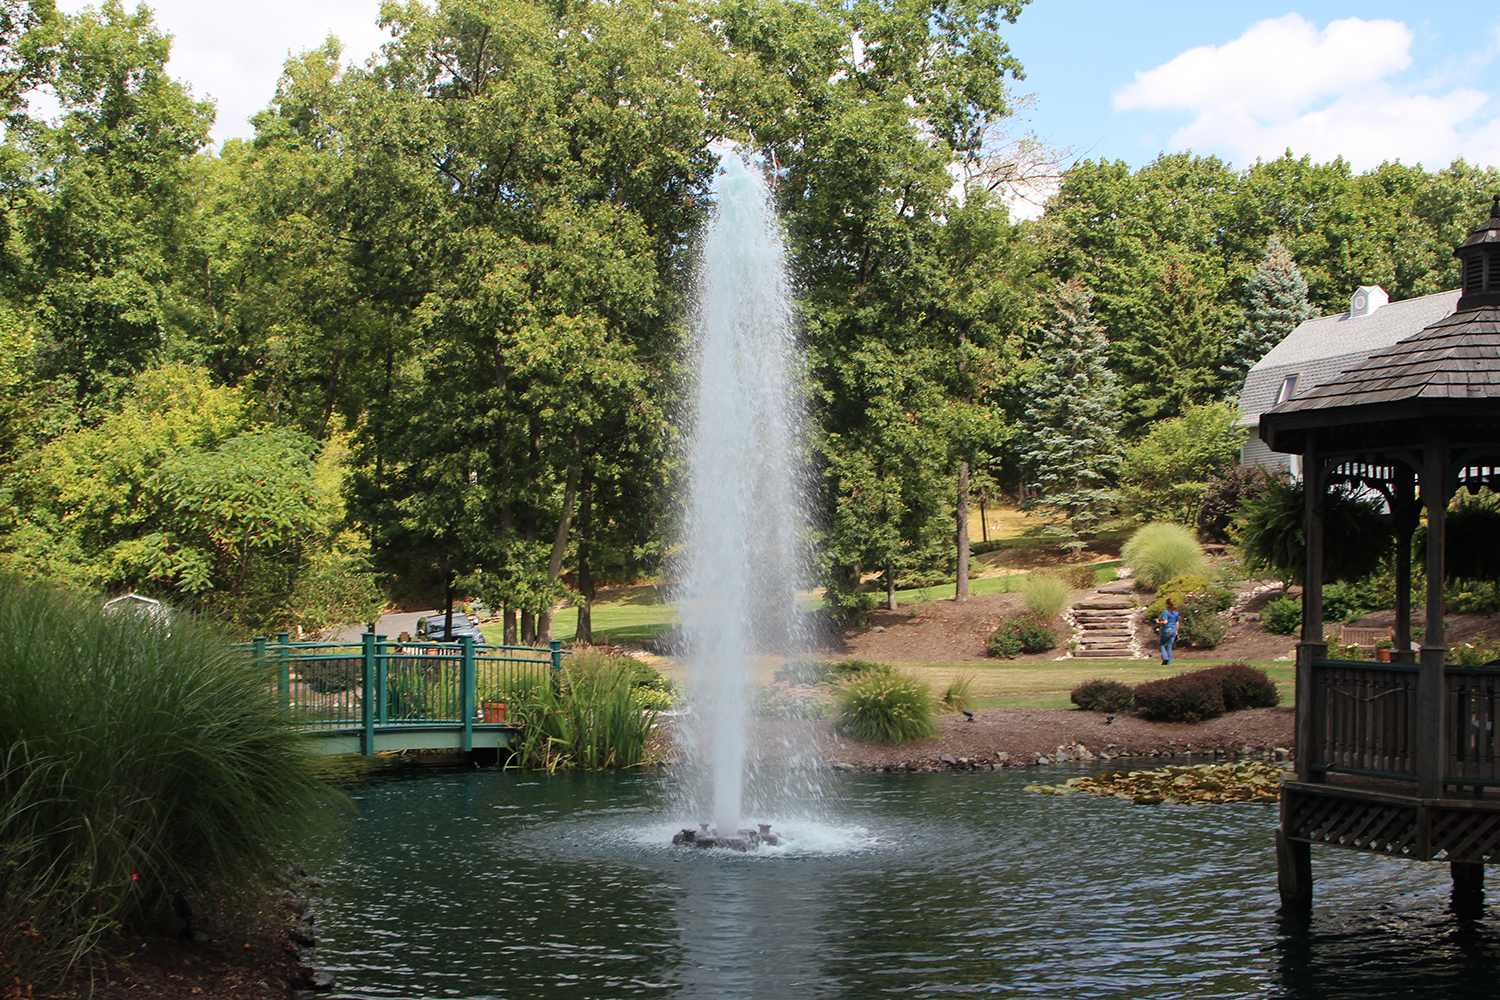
(1320, 349)
(1457, 357)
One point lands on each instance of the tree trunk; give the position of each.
(961, 592)
(528, 614)
(890, 585)
(559, 546)
(447, 605)
(585, 633)
(984, 521)
(508, 616)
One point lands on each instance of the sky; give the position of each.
(1370, 81)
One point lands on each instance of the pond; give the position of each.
(488, 883)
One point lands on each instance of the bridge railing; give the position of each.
(377, 682)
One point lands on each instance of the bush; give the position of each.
(138, 762)
(1283, 616)
(802, 672)
(1226, 491)
(1082, 577)
(1158, 552)
(1022, 634)
(884, 707)
(1202, 624)
(590, 717)
(1046, 595)
(1178, 588)
(1272, 537)
(1245, 687)
(1184, 698)
(1103, 696)
(1475, 653)
(956, 697)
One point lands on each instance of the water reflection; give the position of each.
(494, 884)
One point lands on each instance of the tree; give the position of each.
(1275, 303)
(1164, 476)
(1071, 449)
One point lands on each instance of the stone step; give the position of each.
(1118, 654)
(1117, 587)
(1106, 602)
(1113, 638)
(1103, 616)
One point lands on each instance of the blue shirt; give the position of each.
(1169, 622)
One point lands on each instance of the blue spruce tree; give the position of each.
(1275, 302)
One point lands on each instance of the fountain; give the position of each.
(744, 521)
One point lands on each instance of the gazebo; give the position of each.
(1399, 758)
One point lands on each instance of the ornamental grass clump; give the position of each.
(140, 762)
(1158, 552)
(884, 707)
(1046, 595)
(956, 697)
(590, 716)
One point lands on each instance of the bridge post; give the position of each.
(367, 688)
(382, 681)
(466, 699)
(284, 674)
(556, 656)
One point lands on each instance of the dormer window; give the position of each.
(1366, 299)
(1287, 390)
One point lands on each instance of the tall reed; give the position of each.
(138, 762)
(590, 716)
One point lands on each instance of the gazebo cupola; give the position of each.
(1480, 254)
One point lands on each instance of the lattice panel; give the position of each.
(1364, 826)
(1466, 834)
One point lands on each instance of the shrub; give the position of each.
(1046, 595)
(1283, 616)
(1475, 653)
(1158, 552)
(1245, 687)
(1272, 537)
(802, 672)
(1184, 698)
(956, 697)
(1202, 623)
(1081, 578)
(1178, 588)
(1103, 696)
(589, 717)
(783, 700)
(1022, 634)
(138, 761)
(884, 707)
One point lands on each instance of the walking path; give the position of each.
(1105, 622)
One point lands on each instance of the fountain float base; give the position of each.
(744, 840)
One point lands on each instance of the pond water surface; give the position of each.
(487, 883)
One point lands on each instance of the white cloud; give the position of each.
(233, 50)
(1286, 84)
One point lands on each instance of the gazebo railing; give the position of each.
(1365, 721)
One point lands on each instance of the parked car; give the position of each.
(433, 628)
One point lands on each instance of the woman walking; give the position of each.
(1168, 622)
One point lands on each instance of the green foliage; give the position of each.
(1082, 577)
(1223, 496)
(1022, 634)
(956, 696)
(137, 761)
(1178, 588)
(1183, 698)
(848, 605)
(1159, 552)
(1103, 696)
(1275, 303)
(590, 717)
(1472, 597)
(1477, 652)
(1046, 595)
(1283, 616)
(1272, 535)
(884, 707)
(1166, 474)
(1070, 450)
(1202, 623)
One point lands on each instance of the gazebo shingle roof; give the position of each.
(1455, 358)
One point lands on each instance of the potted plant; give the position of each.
(1383, 650)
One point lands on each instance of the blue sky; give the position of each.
(1369, 81)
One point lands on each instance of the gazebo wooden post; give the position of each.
(1430, 680)
(1294, 857)
(1406, 514)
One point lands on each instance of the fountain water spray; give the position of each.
(745, 526)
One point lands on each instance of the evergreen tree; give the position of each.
(1071, 448)
(1275, 303)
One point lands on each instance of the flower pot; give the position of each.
(1382, 655)
(494, 711)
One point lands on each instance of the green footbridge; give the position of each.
(378, 695)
